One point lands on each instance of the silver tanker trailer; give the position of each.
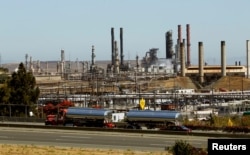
(137, 119)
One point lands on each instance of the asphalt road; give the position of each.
(93, 139)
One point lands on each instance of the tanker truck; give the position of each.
(132, 119)
(78, 116)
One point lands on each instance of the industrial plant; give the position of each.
(171, 82)
(176, 63)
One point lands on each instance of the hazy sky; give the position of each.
(41, 28)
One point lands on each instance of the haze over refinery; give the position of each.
(42, 28)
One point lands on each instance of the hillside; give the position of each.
(231, 83)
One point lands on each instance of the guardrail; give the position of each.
(204, 134)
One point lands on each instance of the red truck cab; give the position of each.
(53, 120)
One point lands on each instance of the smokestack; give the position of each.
(177, 51)
(188, 45)
(169, 45)
(184, 49)
(62, 61)
(137, 62)
(93, 56)
(201, 62)
(223, 59)
(248, 58)
(179, 33)
(183, 66)
(112, 47)
(38, 66)
(179, 39)
(31, 65)
(121, 46)
(26, 61)
(62, 56)
(116, 58)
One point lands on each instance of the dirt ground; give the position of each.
(6, 149)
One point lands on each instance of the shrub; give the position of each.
(183, 148)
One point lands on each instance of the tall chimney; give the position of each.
(121, 46)
(201, 62)
(169, 45)
(26, 61)
(137, 62)
(93, 56)
(183, 66)
(38, 66)
(188, 45)
(116, 68)
(223, 59)
(248, 58)
(112, 47)
(184, 49)
(62, 61)
(179, 33)
(179, 39)
(31, 65)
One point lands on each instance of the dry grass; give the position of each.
(6, 149)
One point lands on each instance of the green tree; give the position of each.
(23, 90)
(3, 78)
(4, 94)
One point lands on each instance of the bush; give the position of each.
(183, 148)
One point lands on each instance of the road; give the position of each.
(94, 139)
